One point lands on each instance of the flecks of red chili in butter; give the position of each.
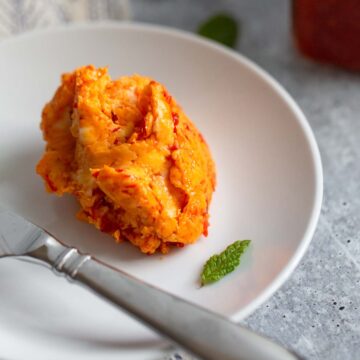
(175, 117)
(107, 225)
(95, 173)
(167, 96)
(114, 117)
(50, 184)
(206, 226)
(174, 147)
(177, 244)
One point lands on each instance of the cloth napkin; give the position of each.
(17, 16)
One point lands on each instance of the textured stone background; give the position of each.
(317, 311)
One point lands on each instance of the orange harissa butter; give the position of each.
(138, 166)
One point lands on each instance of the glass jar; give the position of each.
(328, 31)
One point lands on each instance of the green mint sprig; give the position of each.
(221, 28)
(224, 263)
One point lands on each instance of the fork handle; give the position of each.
(197, 330)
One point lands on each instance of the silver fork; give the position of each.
(197, 330)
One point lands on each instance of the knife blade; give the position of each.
(17, 235)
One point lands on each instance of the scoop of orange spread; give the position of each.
(140, 169)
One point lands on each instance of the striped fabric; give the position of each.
(17, 16)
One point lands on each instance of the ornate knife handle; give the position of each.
(197, 330)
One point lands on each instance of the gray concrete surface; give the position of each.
(317, 311)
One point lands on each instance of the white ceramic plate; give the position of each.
(269, 187)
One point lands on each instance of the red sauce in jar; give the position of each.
(328, 30)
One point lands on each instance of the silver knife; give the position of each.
(199, 331)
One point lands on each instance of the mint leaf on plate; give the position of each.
(224, 263)
(222, 28)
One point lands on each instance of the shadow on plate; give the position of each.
(62, 310)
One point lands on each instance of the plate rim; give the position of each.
(258, 71)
